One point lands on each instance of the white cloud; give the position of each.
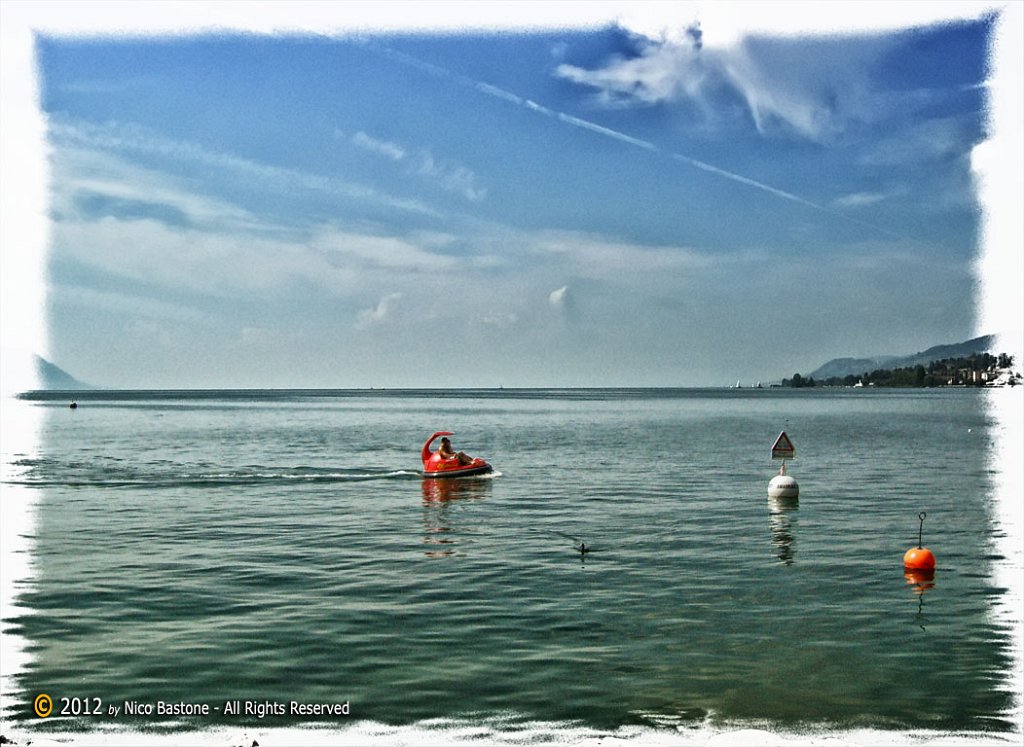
(447, 174)
(127, 305)
(265, 259)
(157, 334)
(605, 258)
(81, 173)
(117, 137)
(378, 314)
(110, 85)
(928, 141)
(380, 147)
(200, 261)
(858, 199)
(664, 71)
(772, 99)
(452, 176)
(391, 252)
(645, 144)
(505, 320)
(557, 297)
(149, 226)
(798, 87)
(152, 227)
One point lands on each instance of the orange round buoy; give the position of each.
(919, 559)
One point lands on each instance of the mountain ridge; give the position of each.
(51, 376)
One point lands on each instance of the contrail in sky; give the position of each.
(508, 96)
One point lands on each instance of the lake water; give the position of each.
(270, 547)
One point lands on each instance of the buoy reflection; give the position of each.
(782, 522)
(922, 581)
(441, 501)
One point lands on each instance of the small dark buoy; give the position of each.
(919, 558)
(583, 548)
(74, 405)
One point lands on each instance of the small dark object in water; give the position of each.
(583, 548)
(74, 405)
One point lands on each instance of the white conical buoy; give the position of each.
(783, 485)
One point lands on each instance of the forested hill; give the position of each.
(840, 367)
(974, 370)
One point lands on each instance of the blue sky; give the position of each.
(582, 206)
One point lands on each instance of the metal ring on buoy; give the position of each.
(919, 558)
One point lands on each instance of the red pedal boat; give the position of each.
(435, 466)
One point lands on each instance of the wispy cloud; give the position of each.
(264, 260)
(129, 139)
(380, 147)
(446, 173)
(798, 88)
(203, 262)
(149, 225)
(381, 250)
(647, 145)
(111, 215)
(378, 314)
(85, 175)
(500, 320)
(665, 70)
(600, 257)
(859, 199)
(110, 85)
(925, 142)
(127, 305)
(499, 93)
(452, 176)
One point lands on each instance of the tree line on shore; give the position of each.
(974, 370)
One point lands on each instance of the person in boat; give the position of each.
(447, 452)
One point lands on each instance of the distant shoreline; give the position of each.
(99, 395)
(978, 370)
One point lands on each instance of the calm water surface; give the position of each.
(207, 547)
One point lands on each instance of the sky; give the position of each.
(605, 199)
